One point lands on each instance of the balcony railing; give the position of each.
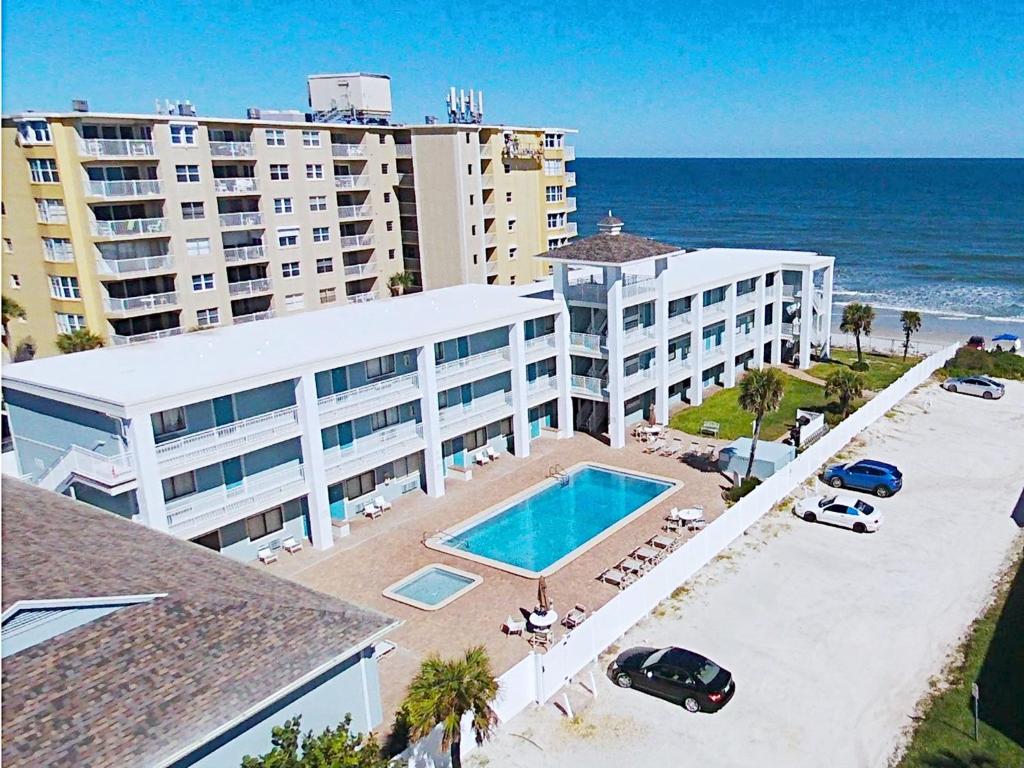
(59, 254)
(130, 266)
(679, 322)
(641, 287)
(237, 184)
(490, 239)
(410, 236)
(120, 189)
(568, 153)
(361, 298)
(253, 317)
(76, 460)
(406, 180)
(479, 365)
(149, 302)
(679, 363)
(129, 227)
(460, 418)
(249, 287)
(790, 329)
(491, 267)
(232, 149)
(570, 179)
(590, 385)
(117, 147)
(407, 209)
(356, 241)
(640, 377)
(245, 253)
(139, 338)
(397, 388)
(542, 384)
(242, 219)
(590, 342)
(347, 150)
(570, 204)
(640, 335)
(489, 211)
(229, 439)
(714, 312)
(208, 510)
(373, 450)
(403, 150)
(571, 230)
(360, 270)
(352, 182)
(355, 211)
(487, 181)
(593, 292)
(546, 343)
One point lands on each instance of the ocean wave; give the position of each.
(942, 314)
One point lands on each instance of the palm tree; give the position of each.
(760, 393)
(845, 386)
(857, 319)
(12, 310)
(78, 341)
(911, 324)
(400, 282)
(443, 691)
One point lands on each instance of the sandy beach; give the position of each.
(936, 328)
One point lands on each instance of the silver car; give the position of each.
(980, 386)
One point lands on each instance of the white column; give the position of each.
(520, 401)
(777, 317)
(564, 372)
(560, 278)
(730, 336)
(661, 350)
(616, 387)
(806, 316)
(432, 469)
(697, 349)
(759, 323)
(826, 310)
(320, 531)
(149, 492)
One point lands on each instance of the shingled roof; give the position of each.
(140, 684)
(620, 248)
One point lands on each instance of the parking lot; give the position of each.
(832, 636)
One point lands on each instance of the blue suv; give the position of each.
(877, 477)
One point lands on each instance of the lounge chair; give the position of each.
(372, 511)
(709, 451)
(694, 449)
(617, 577)
(632, 565)
(665, 543)
(481, 458)
(672, 525)
(513, 626)
(381, 503)
(266, 556)
(672, 449)
(575, 617)
(647, 555)
(291, 545)
(655, 446)
(492, 454)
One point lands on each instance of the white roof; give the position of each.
(239, 357)
(721, 265)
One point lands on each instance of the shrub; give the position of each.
(737, 492)
(859, 365)
(968, 361)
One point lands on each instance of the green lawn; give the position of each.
(724, 408)
(994, 656)
(883, 370)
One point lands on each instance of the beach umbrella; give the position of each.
(542, 595)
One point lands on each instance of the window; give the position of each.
(384, 168)
(70, 323)
(275, 138)
(183, 134)
(321, 234)
(314, 171)
(282, 205)
(311, 138)
(512, 280)
(54, 248)
(44, 170)
(290, 269)
(387, 197)
(475, 256)
(278, 171)
(64, 287)
(179, 485)
(508, 168)
(208, 317)
(472, 229)
(508, 197)
(168, 422)
(381, 137)
(192, 211)
(511, 225)
(391, 253)
(380, 366)
(439, 351)
(389, 225)
(15, 281)
(552, 140)
(265, 523)
(288, 238)
(553, 168)
(187, 174)
(203, 282)
(512, 253)
(328, 295)
(385, 418)
(34, 132)
(556, 220)
(294, 301)
(318, 203)
(325, 265)
(554, 194)
(469, 169)
(361, 485)
(51, 211)
(200, 246)
(471, 199)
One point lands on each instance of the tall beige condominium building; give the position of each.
(142, 226)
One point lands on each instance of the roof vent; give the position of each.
(610, 225)
(79, 105)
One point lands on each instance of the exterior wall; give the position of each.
(251, 402)
(235, 541)
(352, 376)
(125, 504)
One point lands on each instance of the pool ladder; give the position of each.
(559, 474)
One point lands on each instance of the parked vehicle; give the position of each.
(976, 342)
(876, 477)
(846, 511)
(677, 675)
(980, 386)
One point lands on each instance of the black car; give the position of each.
(677, 675)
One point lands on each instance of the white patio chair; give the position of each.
(481, 458)
(576, 616)
(513, 626)
(291, 545)
(266, 556)
(381, 503)
(492, 454)
(372, 511)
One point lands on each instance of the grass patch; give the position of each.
(737, 492)
(994, 656)
(882, 370)
(968, 362)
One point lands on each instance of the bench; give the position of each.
(710, 428)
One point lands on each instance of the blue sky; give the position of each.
(689, 78)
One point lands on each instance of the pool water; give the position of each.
(538, 531)
(433, 586)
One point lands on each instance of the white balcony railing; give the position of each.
(570, 179)
(570, 204)
(361, 298)
(679, 364)
(480, 364)
(480, 410)
(207, 510)
(593, 292)
(568, 153)
(109, 470)
(406, 180)
(679, 322)
(138, 338)
(491, 266)
(352, 182)
(642, 334)
(148, 302)
(59, 253)
(487, 181)
(129, 227)
(117, 147)
(241, 219)
(489, 210)
(590, 342)
(347, 150)
(571, 230)
(253, 317)
(241, 253)
(249, 287)
(360, 270)
(232, 149)
(643, 376)
(542, 385)
(398, 388)
(120, 189)
(373, 450)
(356, 241)
(639, 287)
(129, 266)
(547, 342)
(355, 211)
(237, 184)
(490, 239)
(230, 439)
(588, 385)
(403, 150)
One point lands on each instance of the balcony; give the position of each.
(642, 336)
(714, 312)
(456, 419)
(205, 511)
(229, 439)
(568, 153)
(410, 236)
(242, 219)
(678, 323)
(59, 254)
(570, 204)
(491, 267)
(232, 149)
(237, 185)
(253, 317)
(487, 181)
(378, 394)
(542, 389)
(129, 228)
(543, 346)
(570, 179)
(355, 242)
(109, 471)
(406, 180)
(128, 267)
(347, 150)
(112, 190)
(250, 287)
(147, 303)
(356, 271)
(355, 211)
(473, 367)
(588, 385)
(244, 253)
(361, 298)
(352, 182)
(490, 239)
(117, 147)
(403, 151)
(139, 338)
(678, 366)
(407, 209)
(587, 342)
(374, 449)
(641, 379)
(489, 211)
(571, 229)
(638, 288)
(588, 291)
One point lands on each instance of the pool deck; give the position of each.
(380, 552)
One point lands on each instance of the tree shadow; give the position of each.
(398, 739)
(949, 759)
(1001, 679)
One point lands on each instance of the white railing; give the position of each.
(406, 180)
(403, 150)
(638, 287)
(352, 182)
(642, 376)
(359, 270)
(58, 253)
(138, 338)
(542, 384)
(147, 302)
(491, 266)
(236, 184)
(482, 361)
(680, 321)
(232, 148)
(76, 460)
(639, 335)
(589, 384)
(249, 287)
(592, 291)
(361, 298)
(789, 329)
(591, 342)
(117, 147)
(244, 253)
(571, 230)
(129, 227)
(347, 150)
(490, 407)
(52, 217)
(790, 291)
(126, 266)
(355, 211)
(234, 438)
(679, 364)
(568, 153)
(487, 181)
(404, 386)
(253, 317)
(373, 449)
(745, 301)
(570, 179)
(242, 219)
(490, 239)
(356, 241)
(139, 188)
(207, 510)
(546, 342)
(489, 210)
(570, 204)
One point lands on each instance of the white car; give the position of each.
(980, 386)
(847, 511)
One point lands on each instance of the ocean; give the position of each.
(944, 237)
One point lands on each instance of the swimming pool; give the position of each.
(550, 524)
(432, 586)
